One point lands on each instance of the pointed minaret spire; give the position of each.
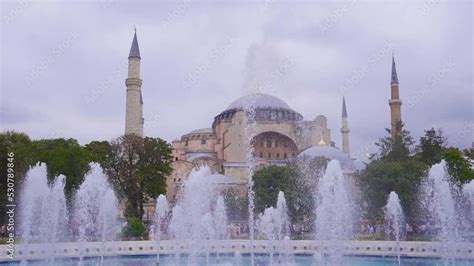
(394, 72)
(395, 102)
(134, 50)
(134, 104)
(344, 110)
(345, 129)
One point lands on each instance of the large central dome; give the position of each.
(267, 108)
(258, 100)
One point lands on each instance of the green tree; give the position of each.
(469, 153)
(99, 150)
(135, 228)
(297, 181)
(64, 157)
(138, 168)
(459, 166)
(237, 204)
(24, 157)
(397, 148)
(381, 177)
(431, 147)
(394, 170)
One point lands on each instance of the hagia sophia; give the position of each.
(277, 133)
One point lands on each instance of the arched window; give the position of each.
(272, 145)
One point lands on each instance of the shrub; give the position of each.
(135, 228)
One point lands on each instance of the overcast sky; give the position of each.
(63, 65)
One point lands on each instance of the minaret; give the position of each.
(345, 129)
(395, 102)
(134, 109)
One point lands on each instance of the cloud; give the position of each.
(304, 52)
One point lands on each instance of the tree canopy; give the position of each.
(137, 167)
(397, 169)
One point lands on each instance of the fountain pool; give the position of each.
(193, 232)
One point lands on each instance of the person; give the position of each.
(3, 231)
(151, 233)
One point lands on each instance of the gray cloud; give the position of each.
(62, 69)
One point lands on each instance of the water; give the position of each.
(274, 222)
(468, 192)
(161, 212)
(43, 212)
(334, 208)
(249, 119)
(199, 216)
(95, 210)
(220, 219)
(274, 225)
(395, 220)
(438, 198)
(43, 209)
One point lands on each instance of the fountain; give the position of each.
(43, 209)
(220, 219)
(95, 211)
(333, 210)
(274, 225)
(197, 219)
(440, 205)
(249, 125)
(468, 190)
(161, 213)
(395, 220)
(195, 230)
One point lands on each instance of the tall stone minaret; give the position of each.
(134, 109)
(345, 129)
(395, 102)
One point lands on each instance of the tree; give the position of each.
(397, 148)
(268, 181)
(469, 153)
(64, 157)
(24, 157)
(100, 150)
(381, 177)
(297, 181)
(431, 147)
(458, 165)
(394, 170)
(137, 167)
(236, 204)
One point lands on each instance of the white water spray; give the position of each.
(95, 208)
(394, 219)
(439, 202)
(334, 209)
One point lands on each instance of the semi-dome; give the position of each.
(258, 100)
(329, 153)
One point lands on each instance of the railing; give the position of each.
(361, 248)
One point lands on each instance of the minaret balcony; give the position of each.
(133, 81)
(395, 101)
